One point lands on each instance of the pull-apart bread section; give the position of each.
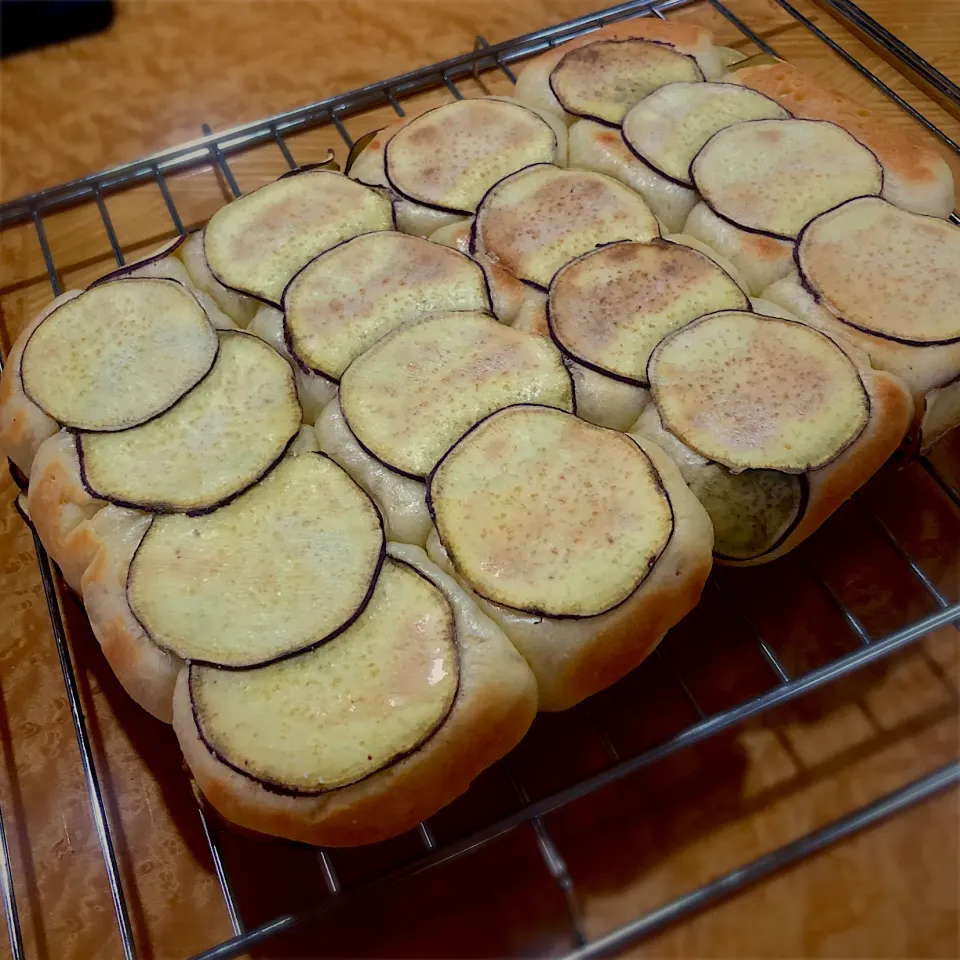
(438, 165)
(603, 74)
(336, 690)
(212, 542)
(535, 221)
(404, 402)
(608, 309)
(582, 543)
(914, 177)
(370, 733)
(772, 423)
(888, 281)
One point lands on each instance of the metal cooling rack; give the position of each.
(216, 149)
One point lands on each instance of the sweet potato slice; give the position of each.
(257, 243)
(667, 129)
(355, 705)
(92, 363)
(537, 220)
(885, 271)
(545, 513)
(284, 567)
(342, 302)
(450, 156)
(612, 306)
(775, 176)
(603, 80)
(411, 396)
(753, 392)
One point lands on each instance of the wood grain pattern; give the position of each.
(150, 82)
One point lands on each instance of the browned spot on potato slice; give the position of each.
(755, 392)
(885, 271)
(603, 80)
(611, 307)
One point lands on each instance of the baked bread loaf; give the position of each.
(666, 312)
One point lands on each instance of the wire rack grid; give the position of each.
(785, 685)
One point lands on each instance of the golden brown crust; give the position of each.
(23, 425)
(62, 511)
(147, 673)
(759, 260)
(573, 659)
(916, 177)
(495, 705)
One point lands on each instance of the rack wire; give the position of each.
(785, 686)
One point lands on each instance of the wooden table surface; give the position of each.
(162, 70)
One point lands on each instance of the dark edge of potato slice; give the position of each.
(359, 145)
(308, 169)
(434, 206)
(121, 272)
(329, 164)
(660, 173)
(596, 368)
(593, 117)
(808, 286)
(17, 475)
(799, 323)
(531, 610)
(801, 513)
(286, 791)
(301, 364)
(374, 577)
(768, 233)
(162, 509)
